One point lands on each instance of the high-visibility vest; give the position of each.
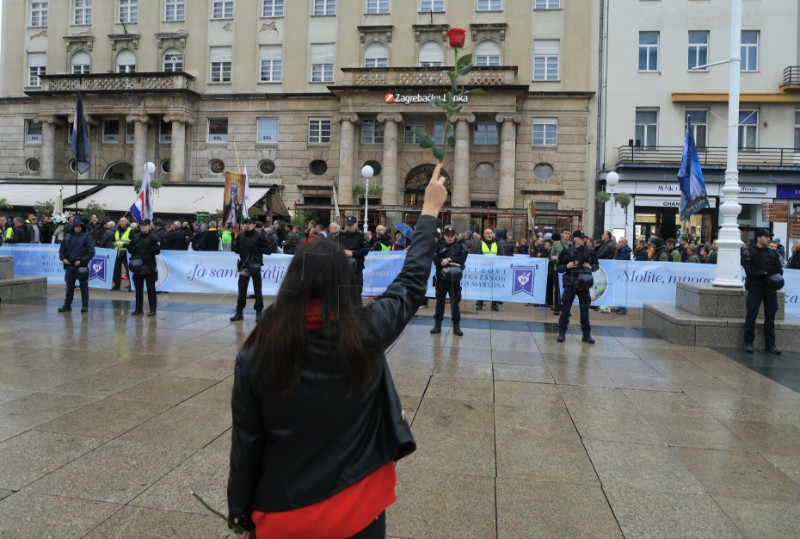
(9, 232)
(125, 238)
(489, 251)
(227, 237)
(384, 247)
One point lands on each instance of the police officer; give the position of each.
(76, 252)
(575, 260)
(122, 237)
(355, 247)
(449, 259)
(145, 245)
(759, 262)
(251, 245)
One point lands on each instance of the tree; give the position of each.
(95, 208)
(4, 205)
(44, 208)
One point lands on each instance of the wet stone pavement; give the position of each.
(107, 423)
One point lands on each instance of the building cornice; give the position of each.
(743, 98)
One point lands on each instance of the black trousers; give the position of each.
(242, 300)
(755, 296)
(70, 275)
(584, 300)
(139, 281)
(119, 261)
(443, 288)
(376, 530)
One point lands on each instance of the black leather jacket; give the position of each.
(356, 242)
(456, 252)
(290, 451)
(578, 254)
(251, 245)
(145, 247)
(758, 263)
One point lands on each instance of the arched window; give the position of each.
(126, 62)
(173, 61)
(431, 54)
(487, 53)
(376, 55)
(81, 63)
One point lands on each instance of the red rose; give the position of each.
(456, 36)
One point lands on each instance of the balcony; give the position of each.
(791, 80)
(114, 82)
(427, 76)
(710, 157)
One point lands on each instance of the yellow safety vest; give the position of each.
(489, 251)
(125, 238)
(384, 247)
(9, 232)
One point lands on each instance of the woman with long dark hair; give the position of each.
(317, 423)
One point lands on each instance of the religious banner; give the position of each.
(234, 210)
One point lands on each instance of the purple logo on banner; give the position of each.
(523, 280)
(97, 268)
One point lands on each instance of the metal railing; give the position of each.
(791, 76)
(115, 82)
(709, 156)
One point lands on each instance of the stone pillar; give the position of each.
(48, 157)
(461, 173)
(391, 191)
(139, 144)
(347, 133)
(177, 149)
(508, 161)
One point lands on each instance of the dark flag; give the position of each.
(79, 141)
(693, 187)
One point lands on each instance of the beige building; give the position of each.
(305, 92)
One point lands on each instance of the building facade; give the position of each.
(656, 74)
(305, 93)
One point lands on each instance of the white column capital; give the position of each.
(141, 118)
(50, 120)
(501, 118)
(466, 117)
(347, 117)
(383, 117)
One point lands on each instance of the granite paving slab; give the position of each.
(133, 522)
(31, 514)
(762, 518)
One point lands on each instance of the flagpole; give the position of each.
(728, 272)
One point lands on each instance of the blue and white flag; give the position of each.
(142, 207)
(693, 187)
(79, 138)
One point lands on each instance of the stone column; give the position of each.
(344, 188)
(461, 173)
(48, 157)
(177, 150)
(391, 191)
(139, 143)
(508, 161)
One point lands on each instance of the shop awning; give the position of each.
(171, 200)
(28, 194)
(270, 202)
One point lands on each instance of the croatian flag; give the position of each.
(142, 207)
(247, 201)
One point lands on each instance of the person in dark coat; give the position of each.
(578, 259)
(19, 232)
(450, 258)
(251, 246)
(760, 262)
(175, 239)
(794, 261)
(145, 245)
(317, 422)
(76, 253)
(107, 239)
(355, 247)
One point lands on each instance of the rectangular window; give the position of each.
(699, 126)
(271, 63)
(749, 51)
(222, 9)
(81, 69)
(128, 11)
(371, 132)
(267, 130)
(220, 64)
(377, 7)
(272, 8)
(438, 133)
(648, 51)
(376, 62)
(647, 129)
(322, 56)
(797, 130)
(39, 13)
(36, 68)
(111, 131)
(436, 6)
(485, 134)
(82, 13)
(173, 62)
(319, 130)
(33, 132)
(545, 131)
(324, 7)
(164, 132)
(174, 10)
(217, 130)
(545, 60)
(547, 4)
(489, 5)
(698, 50)
(130, 129)
(748, 129)
(409, 137)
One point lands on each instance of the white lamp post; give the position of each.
(367, 172)
(612, 179)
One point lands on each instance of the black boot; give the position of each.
(64, 308)
(588, 338)
(437, 328)
(237, 316)
(457, 329)
(562, 336)
(258, 316)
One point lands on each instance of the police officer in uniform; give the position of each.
(251, 245)
(450, 257)
(122, 237)
(145, 245)
(575, 260)
(759, 263)
(76, 252)
(356, 247)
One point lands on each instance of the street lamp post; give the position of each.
(367, 172)
(612, 179)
